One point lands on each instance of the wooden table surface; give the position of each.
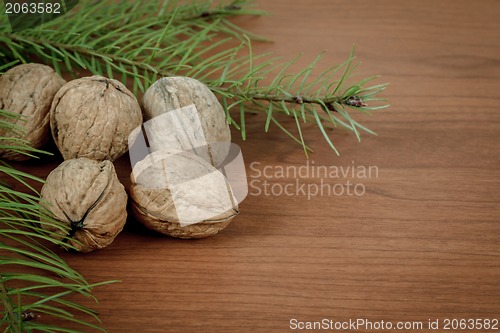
(422, 242)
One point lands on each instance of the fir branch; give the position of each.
(23, 245)
(143, 43)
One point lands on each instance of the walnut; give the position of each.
(204, 131)
(180, 194)
(92, 117)
(86, 196)
(27, 90)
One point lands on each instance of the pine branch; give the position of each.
(143, 43)
(23, 245)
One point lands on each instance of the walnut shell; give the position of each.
(86, 196)
(28, 90)
(181, 195)
(92, 117)
(173, 93)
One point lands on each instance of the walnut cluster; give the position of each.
(176, 189)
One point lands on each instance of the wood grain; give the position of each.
(422, 243)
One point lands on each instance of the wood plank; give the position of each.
(423, 242)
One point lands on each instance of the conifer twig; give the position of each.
(143, 43)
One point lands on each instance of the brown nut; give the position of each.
(92, 117)
(86, 196)
(27, 90)
(209, 122)
(181, 195)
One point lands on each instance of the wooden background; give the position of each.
(422, 243)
